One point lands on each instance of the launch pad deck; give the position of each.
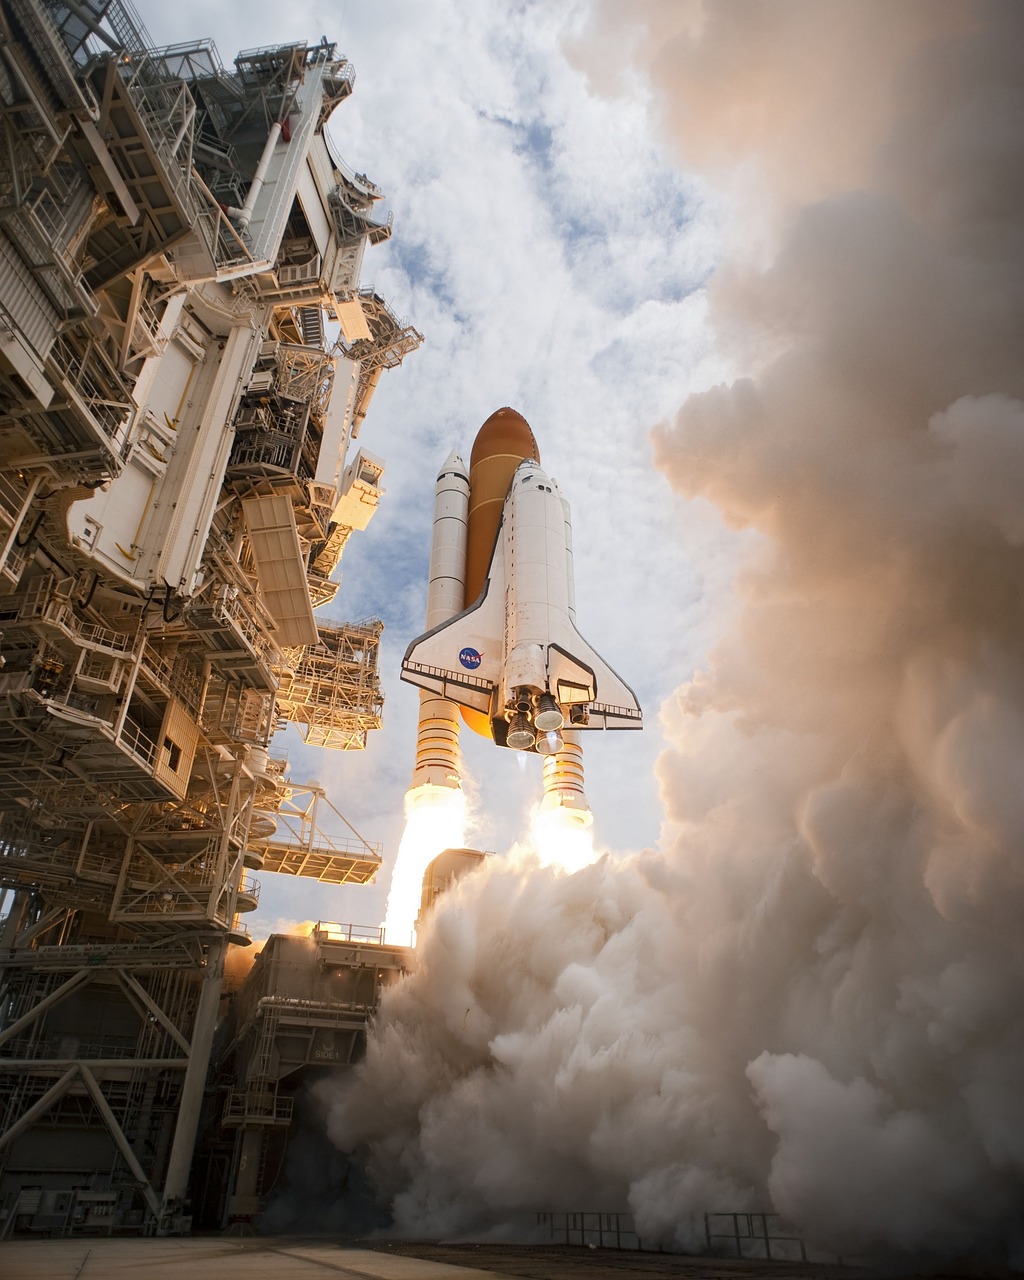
(298, 1258)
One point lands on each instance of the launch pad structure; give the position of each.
(186, 358)
(300, 1015)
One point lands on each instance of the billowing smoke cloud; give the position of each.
(812, 996)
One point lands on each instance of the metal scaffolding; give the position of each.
(304, 1008)
(333, 690)
(175, 493)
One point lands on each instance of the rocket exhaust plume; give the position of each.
(561, 829)
(810, 996)
(435, 820)
(560, 840)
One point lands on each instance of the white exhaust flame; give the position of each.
(563, 838)
(435, 821)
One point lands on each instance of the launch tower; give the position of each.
(186, 357)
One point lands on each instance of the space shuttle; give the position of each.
(512, 660)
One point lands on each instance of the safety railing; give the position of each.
(753, 1235)
(96, 388)
(137, 742)
(68, 1047)
(602, 1230)
(249, 888)
(175, 677)
(179, 953)
(244, 617)
(257, 1107)
(92, 633)
(330, 931)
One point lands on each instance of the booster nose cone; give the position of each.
(453, 465)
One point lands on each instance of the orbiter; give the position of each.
(512, 659)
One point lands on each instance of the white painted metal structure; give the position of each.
(176, 490)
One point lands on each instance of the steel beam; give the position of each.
(180, 1163)
(133, 987)
(117, 1133)
(65, 989)
(30, 1065)
(52, 1095)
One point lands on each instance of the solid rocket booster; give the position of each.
(513, 659)
(437, 735)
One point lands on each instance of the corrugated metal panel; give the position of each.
(176, 747)
(24, 301)
(281, 568)
(313, 198)
(352, 320)
(321, 166)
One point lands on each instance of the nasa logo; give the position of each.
(470, 659)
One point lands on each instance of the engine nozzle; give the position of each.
(548, 744)
(521, 736)
(548, 715)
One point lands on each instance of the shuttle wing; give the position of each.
(578, 674)
(462, 658)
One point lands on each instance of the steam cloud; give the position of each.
(812, 995)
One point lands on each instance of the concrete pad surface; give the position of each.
(223, 1258)
(313, 1258)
